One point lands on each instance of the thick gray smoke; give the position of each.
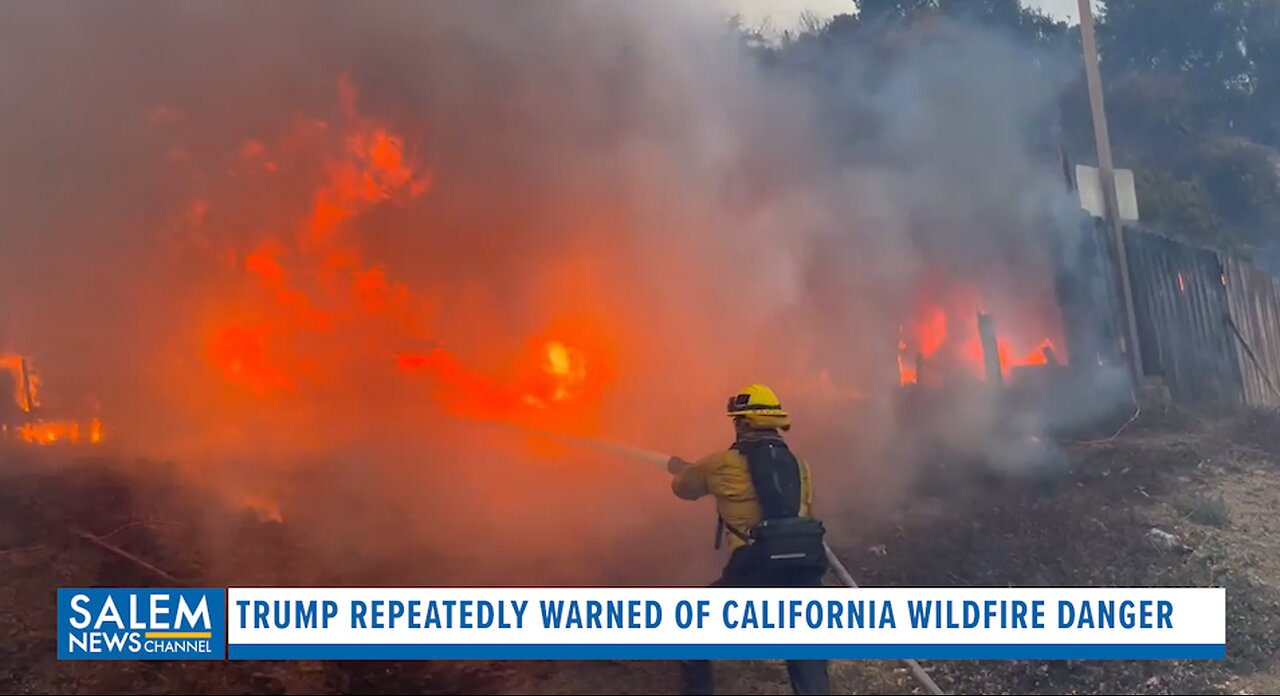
(623, 176)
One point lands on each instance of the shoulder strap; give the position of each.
(732, 530)
(776, 476)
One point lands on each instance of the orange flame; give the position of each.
(1035, 356)
(14, 365)
(313, 310)
(946, 336)
(561, 378)
(49, 432)
(38, 431)
(566, 369)
(319, 284)
(906, 370)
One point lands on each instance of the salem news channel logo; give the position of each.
(141, 624)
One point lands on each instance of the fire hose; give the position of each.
(660, 460)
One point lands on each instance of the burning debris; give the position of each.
(944, 339)
(26, 422)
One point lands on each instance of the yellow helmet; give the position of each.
(760, 407)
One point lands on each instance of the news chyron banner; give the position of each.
(723, 623)
(643, 623)
(142, 624)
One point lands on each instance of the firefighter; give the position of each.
(763, 499)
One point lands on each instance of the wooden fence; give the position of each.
(1208, 324)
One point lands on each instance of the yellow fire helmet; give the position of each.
(760, 407)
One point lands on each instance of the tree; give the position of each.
(1262, 46)
(1200, 38)
(1193, 87)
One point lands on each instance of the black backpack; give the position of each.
(783, 540)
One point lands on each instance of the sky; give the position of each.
(785, 14)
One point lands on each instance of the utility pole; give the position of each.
(1106, 175)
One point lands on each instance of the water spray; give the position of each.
(660, 460)
(657, 459)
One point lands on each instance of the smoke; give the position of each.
(628, 180)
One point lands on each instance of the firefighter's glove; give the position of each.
(675, 465)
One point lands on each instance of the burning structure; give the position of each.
(340, 265)
(23, 419)
(947, 336)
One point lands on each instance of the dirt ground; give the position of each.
(1214, 484)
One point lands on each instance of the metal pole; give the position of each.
(1106, 175)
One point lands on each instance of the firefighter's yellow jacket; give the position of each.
(726, 476)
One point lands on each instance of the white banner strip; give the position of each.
(725, 623)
